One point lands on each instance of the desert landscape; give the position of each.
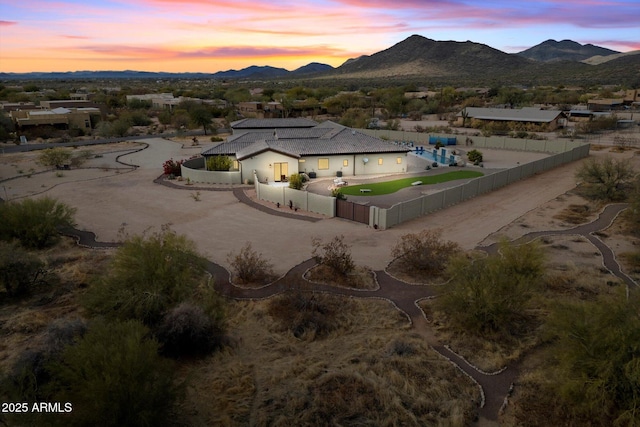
(116, 193)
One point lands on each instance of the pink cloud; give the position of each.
(7, 23)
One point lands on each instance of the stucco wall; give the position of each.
(304, 200)
(355, 164)
(195, 171)
(263, 164)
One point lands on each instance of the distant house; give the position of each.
(260, 110)
(605, 104)
(274, 149)
(552, 119)
(61, 118)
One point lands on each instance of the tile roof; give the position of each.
(326, 139)
(295, 122)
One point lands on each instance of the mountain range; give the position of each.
(420, 58)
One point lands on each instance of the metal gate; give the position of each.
(352, 211)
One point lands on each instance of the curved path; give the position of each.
(495, 387)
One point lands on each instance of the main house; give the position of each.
(274, 149)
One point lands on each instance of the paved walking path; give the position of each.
(495, 387)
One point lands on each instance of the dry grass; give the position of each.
(369, 370)
(359, 278)
(576, 214)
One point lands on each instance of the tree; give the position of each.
(606, 179)
(54, 157)
(490, 295)
(149, 275)
(34, 222)
(424, 251)
(114, 376)
(201, 116)
(335, 254)
(595, 359)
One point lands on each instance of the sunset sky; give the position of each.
(217, 35)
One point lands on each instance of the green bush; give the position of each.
(606, 178)
(57, 156)
(219, 163)
(474, 156)
(34, 222)
(114, 376)
(149, 275)
(20, 271)
(594, 359)
(490, 295)
(296, 182)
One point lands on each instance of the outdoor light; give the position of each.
(365, 160)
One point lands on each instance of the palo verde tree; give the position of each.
(607, 178)
(594, 358)
(34, 222)
(149, 275)
(53, 157)
(114, 376)
(490, 295)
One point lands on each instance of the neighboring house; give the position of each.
(12, 106)
(72, 104)
(260, 110)
(605, 104)
(327, 149)
(553, 119)
(61, 118)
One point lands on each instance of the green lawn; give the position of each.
(388, 187)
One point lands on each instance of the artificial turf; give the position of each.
(388, 187)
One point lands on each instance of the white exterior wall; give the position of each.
(355, 164)
(260, 163)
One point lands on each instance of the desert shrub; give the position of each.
(249, 266)
(490, 295)
(305, 314)
(594, 359)
(149, 275)
(172, 167)
(338, 194)
(295, 181)
(474, 156)
(20, 271)
(29, 379)
(34, 222)
(219, 163)
(335, 254)
(81, 158)
(54, 156)
(425, 252)
(187, 330)
(114, 376)
(606, 179)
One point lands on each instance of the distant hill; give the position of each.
(599, 59)
(565, 50)
(420, 56)
(419, 59)
(253, 72)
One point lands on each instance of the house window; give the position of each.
(380, 161)
(399, 160)
(301, 160)
(345, 163)
(323, 164)
(235, 165)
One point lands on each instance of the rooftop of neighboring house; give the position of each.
(527, 114)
